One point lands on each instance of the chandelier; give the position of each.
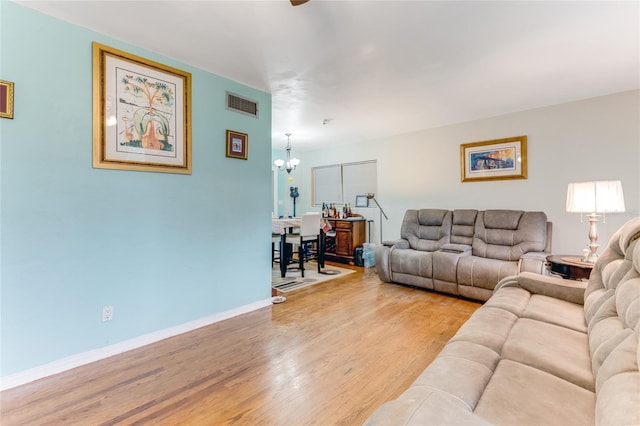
(291, 163)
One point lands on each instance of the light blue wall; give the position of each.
(162, 249)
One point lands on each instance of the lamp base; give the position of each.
(590, 255)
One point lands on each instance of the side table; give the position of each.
(570, 267)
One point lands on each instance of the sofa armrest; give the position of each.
(400, 243)
(534, 261)
(568, 290)
(456, 248)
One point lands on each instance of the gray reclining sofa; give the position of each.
(464, 252)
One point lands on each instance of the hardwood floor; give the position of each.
(330, 355)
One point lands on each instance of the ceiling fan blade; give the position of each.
(298, 2)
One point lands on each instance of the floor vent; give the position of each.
(242, 105)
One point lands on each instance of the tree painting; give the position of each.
(145, 110)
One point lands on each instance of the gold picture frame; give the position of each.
(237, 145)
(141, 113)
(498, 159)
(6, 99)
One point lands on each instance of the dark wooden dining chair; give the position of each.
(275, 248)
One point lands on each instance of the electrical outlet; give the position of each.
(107, 313)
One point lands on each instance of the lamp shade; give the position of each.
(595, 197)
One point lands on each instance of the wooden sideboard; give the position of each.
(350, 234)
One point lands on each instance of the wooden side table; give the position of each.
(569, 266)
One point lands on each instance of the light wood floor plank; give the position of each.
(330, 355)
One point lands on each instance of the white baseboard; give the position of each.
(77, 360)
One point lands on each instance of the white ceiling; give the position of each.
(382, 68)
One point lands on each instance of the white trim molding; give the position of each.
(88, 357)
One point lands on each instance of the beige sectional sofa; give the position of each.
(464, 252)
(541, 351)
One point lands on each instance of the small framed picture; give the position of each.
(362, 201)
(6, 99)
(237, 144)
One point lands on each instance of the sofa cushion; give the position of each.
(444, 267)
(426, 229)
(489, 327)
(518, 394)
(556, 312)
(559, 351)
(502, 219)
(508, 234)
(413, 262)
(512, 299)
(483, 272)
(462, 369)
(463, 224)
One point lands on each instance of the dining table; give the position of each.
(284, 225)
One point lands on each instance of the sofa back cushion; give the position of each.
(463, 225)
(508, 234)
(612, 313)
(426, 229)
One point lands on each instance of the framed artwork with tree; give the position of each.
(6, 99)
(141, 113)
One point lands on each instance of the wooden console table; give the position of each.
(350, 234)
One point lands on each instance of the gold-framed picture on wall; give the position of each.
(498, 159)
(6, 99)
(141, 113)
(237, 145)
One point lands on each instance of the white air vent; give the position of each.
(242, 105)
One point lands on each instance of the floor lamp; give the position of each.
(382, 213)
